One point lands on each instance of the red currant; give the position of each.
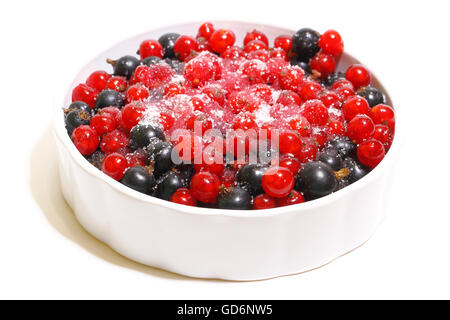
(288, 98)
(256, 71)
(291, 78)
(84, 93)
(360, 128)
(136, 92)
(113, 141)
(166, 120)
(354, 106)
(284, 42)
(384, 135)
(244, 121)
(114, 165)
(117, 83)
(301, 125)
(98, 80)
(370, 153)
(358, 75)
(294, 197)
(289, 142)
(255, 45)
(264, 201)
(256, 35)
(310, 90)
(150, 48)
(336, 128)
(331, 42)
(184, 46)
(383, 114)
(323, 63)
(174, 89)
(200, 120)
(221, 40)
(183, 196)
(205, 187)
(85, 139)
(205, 31)
(103, 123)
(131, 114)
(278, 182)
(315, 112)
(289, 162)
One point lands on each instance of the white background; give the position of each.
(44, 253)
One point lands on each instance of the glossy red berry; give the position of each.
(113, 141)
(264, 201)
(330, 99)
(360, 128)
(233, 53)
(98, 80)
(331, 42)
(136, 92)
(354, 106)
(358, 75)
(174, 89)
(255, 45)
(383, 134)
(344, 93)
(221, 40)
(184, 46)
(291, 78)
(114, 165)
(212, 162)
(83, 92)
(309, 150)
(256, 35)
(341, 83)
(289, 142)
(103, 123)
(131, 114)
(294, 197)
(199, 122)
(205, 187)
(323, 63)
(166, 120)
(278, 182)
(370, 153)
(85, 139)
(383, 114)
(117, 83)
(205, 31)
(315, 112)
(310, 90)
(301, 125)
(244, 121)
(289, 162)
(284, 42)
(150, 48)
(183, 196)
(336, 128)
(288, 98)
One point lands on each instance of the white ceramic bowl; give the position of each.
(214, 243)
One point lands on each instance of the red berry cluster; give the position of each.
(289, 93)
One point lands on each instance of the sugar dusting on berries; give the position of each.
(213, 82)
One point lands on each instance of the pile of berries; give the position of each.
(175, 123)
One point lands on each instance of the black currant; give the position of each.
(343, 145)
(79, 105)
(176, 65)
(305, 44)
(316, 180)
(332, 78)
(167, 41)
(168, 184)
(76, 118)
(149, 61)
(160, 154)
(139, 179)
(357, 170)
(96, 159)
(250, 177)
(142, 134)
(108, 98)
(302, 64)
(234, 199)
(125, 66)
(332, 158)
(372, 95)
